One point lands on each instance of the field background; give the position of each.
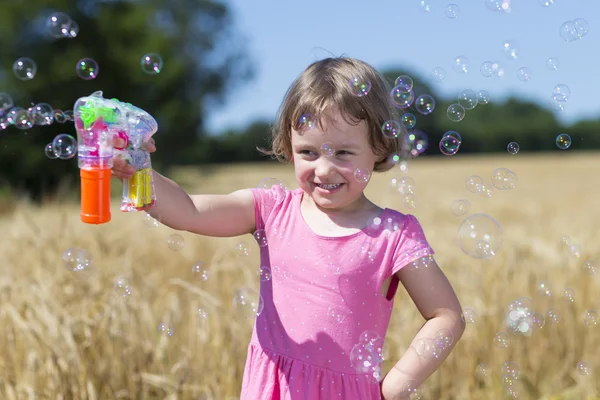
(67, 335)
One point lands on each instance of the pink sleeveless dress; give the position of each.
(324, 293)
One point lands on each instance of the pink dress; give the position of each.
(323, 294)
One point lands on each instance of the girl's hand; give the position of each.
(122, 169)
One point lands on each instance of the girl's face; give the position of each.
(334, 162)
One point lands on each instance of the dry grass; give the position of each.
(67, 335)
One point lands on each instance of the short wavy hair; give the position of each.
(327, 85)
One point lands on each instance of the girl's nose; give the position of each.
(324, 167)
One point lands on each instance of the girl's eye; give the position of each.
(344, 153)
(305, 152)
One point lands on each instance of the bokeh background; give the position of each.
(151, 316)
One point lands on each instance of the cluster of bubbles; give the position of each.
(40, 114)
(405, 187)
(368, 354)
(574, 30)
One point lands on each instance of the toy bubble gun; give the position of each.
(99, 122)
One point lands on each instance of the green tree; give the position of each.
(203, 57)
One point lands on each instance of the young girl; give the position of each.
(335, 257)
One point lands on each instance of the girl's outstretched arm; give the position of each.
(434, 297)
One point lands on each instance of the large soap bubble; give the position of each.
(479, 236)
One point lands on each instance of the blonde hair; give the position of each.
(325, 85)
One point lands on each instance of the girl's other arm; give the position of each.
(433, 295)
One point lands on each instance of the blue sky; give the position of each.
(284, 37)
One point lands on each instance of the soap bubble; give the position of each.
(483, 97)
(581, 27)
(87, 69)
(513, 148)
(24, 68)
(563, 141)
(450, 143)
(77, 259)
(504, 179)
(452, 11)
(455, 112)
(248, 302)
(553, 64)
(43, 114)
(151, 63)
(58, 25)
(438, 73)
(49, 151)
(408, 120)
(461, 64)
(468, 99)
(479, 236)
(511, 49)
(568, 31)
(175, 242)
(64, 146)
(404, 81)
(460, 207)
(425, 104)
(391, 129)
(20, 118)
(524, 74)
(305, 122)
(122, 287)
(402, 97)
(6, 102)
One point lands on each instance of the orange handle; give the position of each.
(95, 195)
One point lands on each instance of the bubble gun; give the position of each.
(99, 122)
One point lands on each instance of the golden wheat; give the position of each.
(68, 335)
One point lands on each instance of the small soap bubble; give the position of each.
(455, 112)
(122, 287)
(524, 74)
(450, 143)
(150, 221)
(327, 149)
(474, 183)
(20, 118)
(546, 3)
(305, 122)
(24, 68)
(75, 259)
(583, 368)
(561, 93)
(58, 25)
(438, 74)
(568, 32)
(504, 179)
(391, 129)
(43, 114)
(242, 249)
(73, 30)
(483, 97)
(200, 271)
(489, 69)
(479, 236)
(165, 329)
(65, 146)
(402, 97)
(175, 242)
(362, 175)
(49, 151)
(563, 141)
(261, 237)
(452, 11)
(590, 318)
(359, 87)
(425, 104)
(404, 81)
(87, 69)
(581, 27)
(461, 64)
(482, 371)
(59, 116)
(408, 120)
(469, 316)
(460, 207)
(513, 148)
(544, 289)
(468, 99)
(69, 116)
(553, 316)
(511, 368)
(511, 49)
(501, 340)
(264, 273)
(569, 295)
(248, 303)
(553, 64)
(6, 102)
(151, 63)
(590, 267)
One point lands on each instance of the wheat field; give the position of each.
(69, 335)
